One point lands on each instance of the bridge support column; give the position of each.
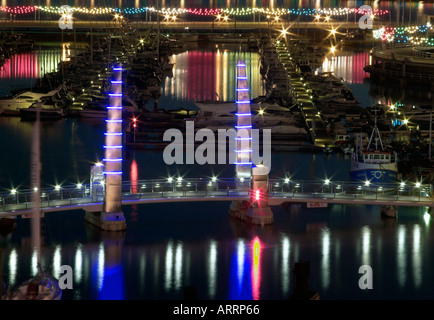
(259, 212)
(113, 221)
(238, 209)
(112, 218)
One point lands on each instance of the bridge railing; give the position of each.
(355, 190)
(208, 187)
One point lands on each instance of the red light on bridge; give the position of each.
(258, 195)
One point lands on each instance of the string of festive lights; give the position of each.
(195, 11)
(416, 35)
(19, 9)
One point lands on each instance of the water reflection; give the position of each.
(417, 257)
(285, 267)
(325, 258)
(212, 269)
(366, 245)
(168, 266)
(23, 70)
(256, 272)
(13, 261)
(200, 75)
(401, 255)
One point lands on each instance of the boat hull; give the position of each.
(374, 175)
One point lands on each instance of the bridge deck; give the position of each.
(159, 191)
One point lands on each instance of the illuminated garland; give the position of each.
(19, 9)
(410, 34)
(195, 11)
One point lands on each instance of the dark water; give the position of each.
(170, 246)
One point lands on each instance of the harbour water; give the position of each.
(170, 246)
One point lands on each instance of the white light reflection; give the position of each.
(35, 262)
(241, 249)
(212, 269)
(168, 266)
(325, 261)
(78, 264)
(142, 270)
(417, 262)
(13, 260)
(57, 261)
(101, 258)
(426, 218)
(366, 245)
(401, 257)
(178, 266)
(285, 265)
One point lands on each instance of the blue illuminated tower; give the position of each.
(243, 156)
(112, 218)
(244, 125)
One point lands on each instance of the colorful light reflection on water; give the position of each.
(209, 75)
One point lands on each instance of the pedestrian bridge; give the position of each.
(90, 197)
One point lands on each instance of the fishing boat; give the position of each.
(373, 163)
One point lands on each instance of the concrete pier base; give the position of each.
(261, 216)
(107, 221)
(238, 209)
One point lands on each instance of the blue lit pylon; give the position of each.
(113, 150)
(244, 124)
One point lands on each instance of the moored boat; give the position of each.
(373, 163)
(41, 287)
(46, 112)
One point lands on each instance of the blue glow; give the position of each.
(243, 101)
(113, 133)
(242, 162)
(116, 81)
(115, 94)
(241, 139)
(112, 172)
(243, 127)
(113, 160)
(248, 150)
(115, 108)
(114, 121)
(240, 284)
(243, 114)
(113, 284)
(242, 89)
(242, 78)
(118, 69)
(112, 147)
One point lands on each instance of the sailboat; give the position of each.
(43, 286)
(373, 163)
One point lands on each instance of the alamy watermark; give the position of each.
(365, 281)
(241, 143)
(366, 21)
(66, 279)
(66, 22)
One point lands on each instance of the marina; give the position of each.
(348, 182)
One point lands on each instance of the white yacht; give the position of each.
(10, 105)
(222, 115)
(99, 109)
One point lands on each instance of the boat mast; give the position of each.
(376, 133)
(35, 174)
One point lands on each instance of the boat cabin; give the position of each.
(376, 157)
